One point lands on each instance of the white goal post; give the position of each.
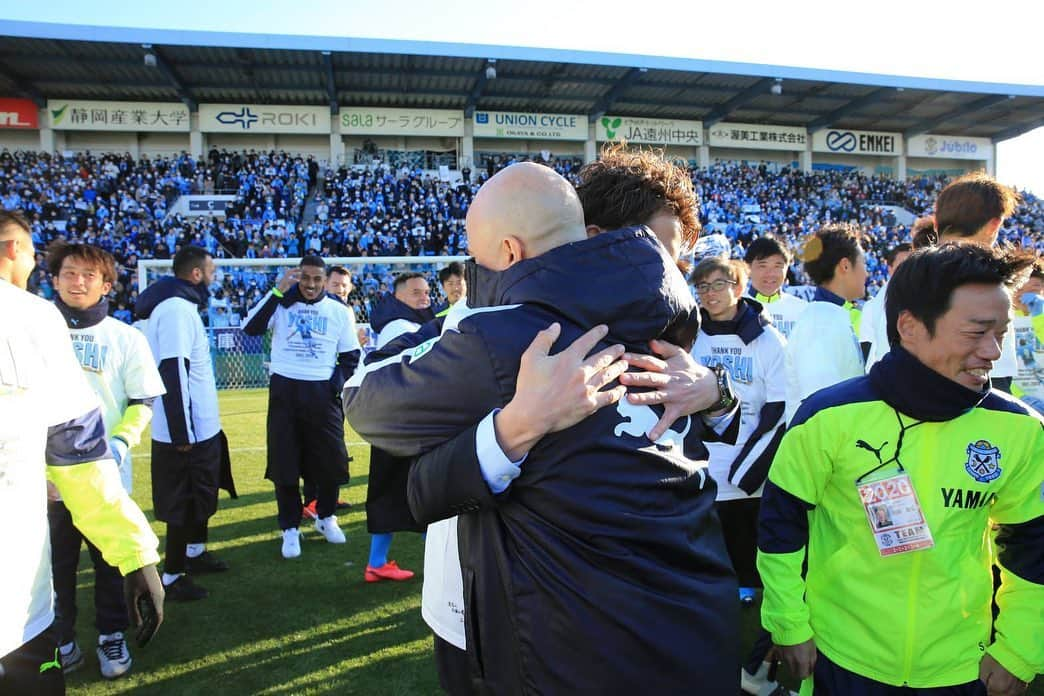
(240, 361)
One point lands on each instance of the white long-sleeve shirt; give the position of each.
(822, 350)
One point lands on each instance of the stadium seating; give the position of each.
(121, 204)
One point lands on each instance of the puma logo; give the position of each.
(639, 420)
(863, 444)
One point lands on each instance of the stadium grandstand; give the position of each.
(142, 141)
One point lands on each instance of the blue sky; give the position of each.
(931, 39)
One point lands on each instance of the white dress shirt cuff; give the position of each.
(497, 469)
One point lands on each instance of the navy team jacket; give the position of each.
(602, 568)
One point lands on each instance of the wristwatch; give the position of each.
(726, 397)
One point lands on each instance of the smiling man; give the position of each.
(118, 364)
(314, 349)
(891, 481)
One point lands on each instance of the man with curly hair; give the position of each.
(628, 187)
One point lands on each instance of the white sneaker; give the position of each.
(113, 656)
(291, 542)
(759, 683)
(329, 529)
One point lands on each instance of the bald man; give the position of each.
(597, 563)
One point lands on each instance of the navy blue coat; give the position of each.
(602, 568)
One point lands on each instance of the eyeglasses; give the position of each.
(716, 286)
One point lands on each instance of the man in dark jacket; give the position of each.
(601, 569)
(405, 311)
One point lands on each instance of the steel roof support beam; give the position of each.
(164, 67)
(958, 113)
(331, 83)
(1016, 131)
(23, 86)
(476, 91)
(721, 112)
(606, 102)
(850, 108)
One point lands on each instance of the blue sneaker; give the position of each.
(747, 596)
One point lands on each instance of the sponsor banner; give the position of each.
(649, 131)
(263, 118)
(530, 125)
(949, 147)
(67, 114)
(750, 135)
(209, 205)
(18, 113)
(374, 121)
(856, 142)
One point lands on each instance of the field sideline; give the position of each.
(271, 626)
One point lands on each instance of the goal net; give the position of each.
(241, 361)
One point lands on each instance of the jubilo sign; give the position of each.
(18, 113)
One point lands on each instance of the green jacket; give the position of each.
(920, 618)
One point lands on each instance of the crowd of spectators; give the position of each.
(286, 207)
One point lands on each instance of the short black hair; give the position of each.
(313, 261)
(454, 269)
(825, 249)
(338, 269)
(766, 247)
(402, 278)
(892, 253)
(923, 285)
(188, 257)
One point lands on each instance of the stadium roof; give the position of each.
(50, 61)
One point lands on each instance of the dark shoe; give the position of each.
(70, 657)
(205, 562)
(184, 590)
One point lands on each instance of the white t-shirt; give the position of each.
(822, 350)
(784, 309)
(174, 330)
(1030, 353)
(118, 364)
(307, 338)
(442, 595)
(873, 327)
(41, 385)
(1007, 365)
(758, 377)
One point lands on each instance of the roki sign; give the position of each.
(259, 118)
(19, 113)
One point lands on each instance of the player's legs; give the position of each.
(176, 583)
(65, 560)
(110, 618)
(324, 457)
(109, 603)
(739, 525)
(285, 447)
(288, 504)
